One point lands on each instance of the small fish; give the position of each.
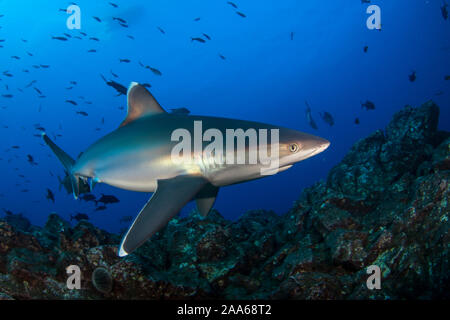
(73, 82)
(94, 39)
(31, 160)
(292, 35)
(30, 54)
(59, 38)
(72, 102)
(114, 75)
(79, 216)
(119, 19)
(366, 48)
(368, 105)
(146, 85)
(44, 66)
(131, 37)
(97, 18)
(198, 40)
(197, 19)
(83, 33)
(412, 76)
(161, 30)
(124, 60)
(222, 57)
(50, 195)
(107, 199)
(241, 14)
(155, 71)
(100, 208)
(92, 50)
(15, 57)
(82, 113)
(8, 96)
(124, 25)
(309, 117)
(67, 35)
(114, 5)
(8, 212)
(37, 90)
(121, 89)
(447, 78)
(356, 120)
(327, 118)
(232, 4)
(88, 197)
(207, 36)
(444, 11)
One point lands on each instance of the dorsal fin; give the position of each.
(140, 103)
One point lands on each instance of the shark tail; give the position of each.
(67, 162)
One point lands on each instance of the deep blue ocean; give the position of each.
(281, 54)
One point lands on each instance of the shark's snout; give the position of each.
(324, 145)
(321, 145)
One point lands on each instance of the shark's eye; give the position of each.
(293, 148)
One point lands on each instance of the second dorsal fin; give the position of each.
(140, 103)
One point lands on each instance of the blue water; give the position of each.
(266, 77)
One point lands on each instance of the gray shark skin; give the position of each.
(137, 156)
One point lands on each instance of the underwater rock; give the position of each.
(378, 160)
(4, 296)
(385, 204)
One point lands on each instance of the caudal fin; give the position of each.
(67, 162)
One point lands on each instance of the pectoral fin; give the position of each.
(206, 198)
(170, 197)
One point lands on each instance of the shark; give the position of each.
(139, 156)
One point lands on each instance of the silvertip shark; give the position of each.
(137, 156)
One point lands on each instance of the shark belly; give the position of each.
(129, 161)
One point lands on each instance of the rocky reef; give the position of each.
(385, 204)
